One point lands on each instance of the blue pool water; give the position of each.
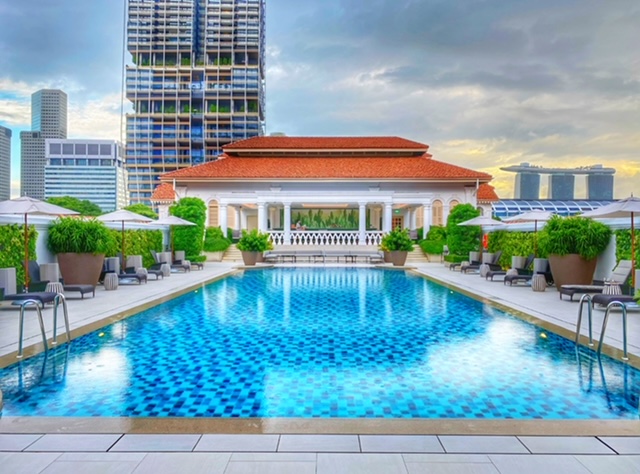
(311, 342)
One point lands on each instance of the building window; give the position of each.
(81, 149)
(93, 149)
(105, 150)
(55, 149)
(436, 211)
(67, 149)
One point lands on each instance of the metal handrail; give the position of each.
(23, 304)
(56, 302)
(585, 297)
(624, 327)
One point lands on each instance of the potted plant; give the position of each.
(80, 246)
(215, 244)
(252, 245)
(398, 244)
(572, 245)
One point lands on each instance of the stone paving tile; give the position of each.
(451, 468)
(184, 463)
(319, 443)
(306, 457)
(537, 464)
(74, 442)
(126, 457)
(26, 463)
(17, 442)
(400, 444)
(446, 458)
(360, 464)
(611, 464)
(482, 444)
(621, 444)
(93, 467)
(156, 443)
(238, 443)
(271, 467)
(564, 445)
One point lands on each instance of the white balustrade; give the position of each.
(326, 238)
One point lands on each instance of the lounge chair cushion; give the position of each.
(604, 300)
(82, 289)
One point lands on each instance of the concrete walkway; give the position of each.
(27, 448)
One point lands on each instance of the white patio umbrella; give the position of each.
(24, 206)
(171, 221)
(628, 207)
(482, 221)
(123, 216)
(535, 216)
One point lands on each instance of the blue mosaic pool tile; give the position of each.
(322, 343)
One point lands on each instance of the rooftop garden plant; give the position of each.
(574, 235)
(73, 235)
(254, 241)
(215, 241)
(397, 240)
(463, 239)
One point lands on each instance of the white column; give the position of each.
(445, 214)
(426, 219)
(362, 223)
(387, 219)
(243, 219)
(413, 214)
(223, 218)
(287, 223)
(262, 217)
(238, 210)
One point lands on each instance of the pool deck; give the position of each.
(314, 445)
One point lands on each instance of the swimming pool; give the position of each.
(329, 342)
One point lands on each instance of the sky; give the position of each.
(485, 83)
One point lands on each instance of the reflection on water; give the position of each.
(330, 342)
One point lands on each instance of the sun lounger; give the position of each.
(491, 274)
(620, 274)
(493, 265)
(82, 289)
(42, 297)
(604, 300)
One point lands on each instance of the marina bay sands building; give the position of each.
(562, 182)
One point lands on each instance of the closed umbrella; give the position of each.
(628, 207)
(24, 206)
(123, 216)
(535, 216)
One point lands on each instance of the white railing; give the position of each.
(326, 238)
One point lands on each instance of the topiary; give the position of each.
(463, 239)
(214, 241)
(189, 238)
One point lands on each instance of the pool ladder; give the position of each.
(24, 304)
(610, 306)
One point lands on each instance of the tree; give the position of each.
(84, 207)
(189, 238)
(143, 210)
(463, 239)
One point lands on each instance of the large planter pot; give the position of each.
(387, 257)
(398, 257)
(250, 258)
(214, 256)
(571, 269)
(80, 268)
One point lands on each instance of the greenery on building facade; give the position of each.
(12, 248)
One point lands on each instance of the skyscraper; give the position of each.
(48, 120)
(196, 83)
(5, 163)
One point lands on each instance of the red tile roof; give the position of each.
(486, 192)
(325, 143)
(164, 192)
(403, 168)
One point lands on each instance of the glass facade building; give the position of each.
(5, 163)
(197, 83)
(512, 207)
(562, 187)
(91, 170)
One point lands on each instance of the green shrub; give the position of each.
(437, 232)
(189, 238)
(12, 248)
(214, 240)
(143, 210)
(136, 242)
(623, 245)
(397, 240)
(254, 241)
(463, 239)
(73, 235)
(456, 258)
(574, 235)
(512, 244)
(432, 246)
